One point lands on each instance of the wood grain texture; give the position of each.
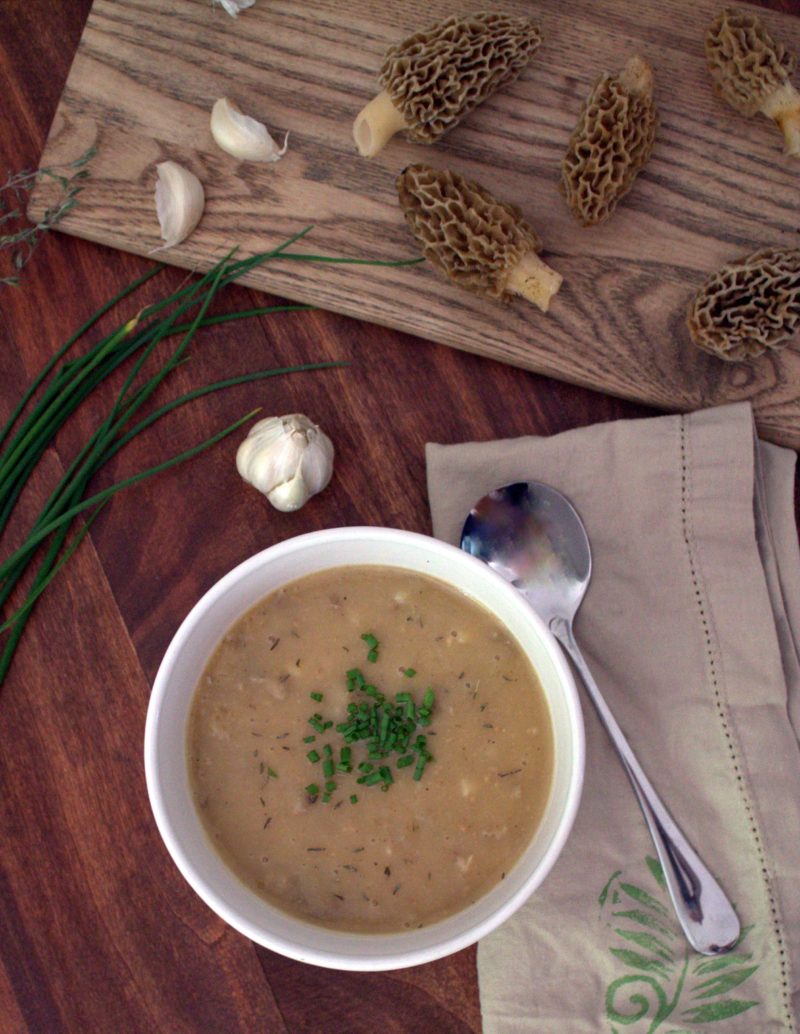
(148, 71)
(98, 930)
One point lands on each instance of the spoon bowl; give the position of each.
(532, 535)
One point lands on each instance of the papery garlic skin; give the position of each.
(242, 136)
(180, 200)
(233, 7)
(287, 458)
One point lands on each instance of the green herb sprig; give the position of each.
(13, 198)
(64, 383)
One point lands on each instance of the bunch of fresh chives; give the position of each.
(65, 383)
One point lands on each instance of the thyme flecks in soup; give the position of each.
(369, 749)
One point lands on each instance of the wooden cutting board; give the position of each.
(147, 73)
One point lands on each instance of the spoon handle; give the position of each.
(707, 917)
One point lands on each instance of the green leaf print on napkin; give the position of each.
(666, 980)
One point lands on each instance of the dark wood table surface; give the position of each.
(98, 931)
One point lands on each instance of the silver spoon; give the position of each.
(532, 535)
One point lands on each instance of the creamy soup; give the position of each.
(369, 749)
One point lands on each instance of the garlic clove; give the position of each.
(242, 136)
(317, 464)
(291, 495)
(180, 201)
(271, 454)
(288, 459)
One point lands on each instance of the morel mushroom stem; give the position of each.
(376, 124)
(534, 280)
(783, 107)
(637, 77)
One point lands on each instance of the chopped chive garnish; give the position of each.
(372, 645)
(312, 790)
(385, 726)
(272, 773)
(355, 679)
(325, 798)
(354, 798)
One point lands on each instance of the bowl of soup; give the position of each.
(363, 749)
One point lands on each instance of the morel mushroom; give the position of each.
(611, 143)
(749, 306)
(434, 78)
(751, 72)
(478, 242)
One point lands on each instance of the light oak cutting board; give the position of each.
(147, 73)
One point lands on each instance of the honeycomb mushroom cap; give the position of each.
(434, 78)
(745, 62)
(611, 142)
(469, 235)
(748, 306)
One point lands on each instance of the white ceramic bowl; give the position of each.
(167, 772)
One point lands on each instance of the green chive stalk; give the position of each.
(64, 383)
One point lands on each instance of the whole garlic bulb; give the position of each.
(288, 458)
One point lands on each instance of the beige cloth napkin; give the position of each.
(690, 629)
